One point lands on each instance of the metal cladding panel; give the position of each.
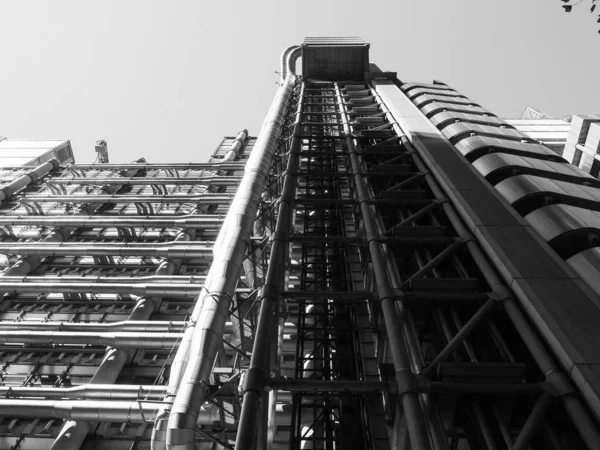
(34, 152)
(461, 130)
(592, 142)
(518, 187)
(488, 164)
(445, 118)
(409, 86)
(436, 107)
(428, 98)
(514, 249)
(586, 264)
(418, 91)
(335, 59)
(474, 147)
(334, 40)
(554, 220)
(564, 310)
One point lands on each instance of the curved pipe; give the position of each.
(28, 178)
(212, 308)
(284, 60)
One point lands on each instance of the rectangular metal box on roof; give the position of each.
(335, 58)
(21, 152)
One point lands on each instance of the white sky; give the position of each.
(167, 80)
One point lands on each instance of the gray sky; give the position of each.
(166, 80)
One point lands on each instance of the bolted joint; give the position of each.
(254, 380)
(559, 384)
(465, 236)
(270, 290)
(280, 236)
(407, 382)
(500, 293)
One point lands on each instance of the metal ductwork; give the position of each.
(119, 348)
(184, 287)
(194, 364)
(237, 146)
(172, 249)
(253, 390)
(126, 326)
(27, 179)
(165, 166)
(124, 340)
(95, 411)
(205, 199)
(230, 180)
(187, 222)
(86, 391)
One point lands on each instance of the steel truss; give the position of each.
(386, 285)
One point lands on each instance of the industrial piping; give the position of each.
(205, 199)
(188, 221)
(230, 180)
(399, 352)
(211, 310)
(253, 416)
(172, 249)
(87, 391)
(237, 145)
(121, 340)
(119, 347)
(27, 179)
(140, 289)
(166, 166)
(128, 326)
(94, 410)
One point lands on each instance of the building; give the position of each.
(387, 265)
(583, 143)
(19, 152)
(550, 132)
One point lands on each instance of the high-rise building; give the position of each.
(550, 132)
(387, 265)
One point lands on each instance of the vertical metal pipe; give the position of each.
(258, 372)
(405, 378)
(210, 313)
